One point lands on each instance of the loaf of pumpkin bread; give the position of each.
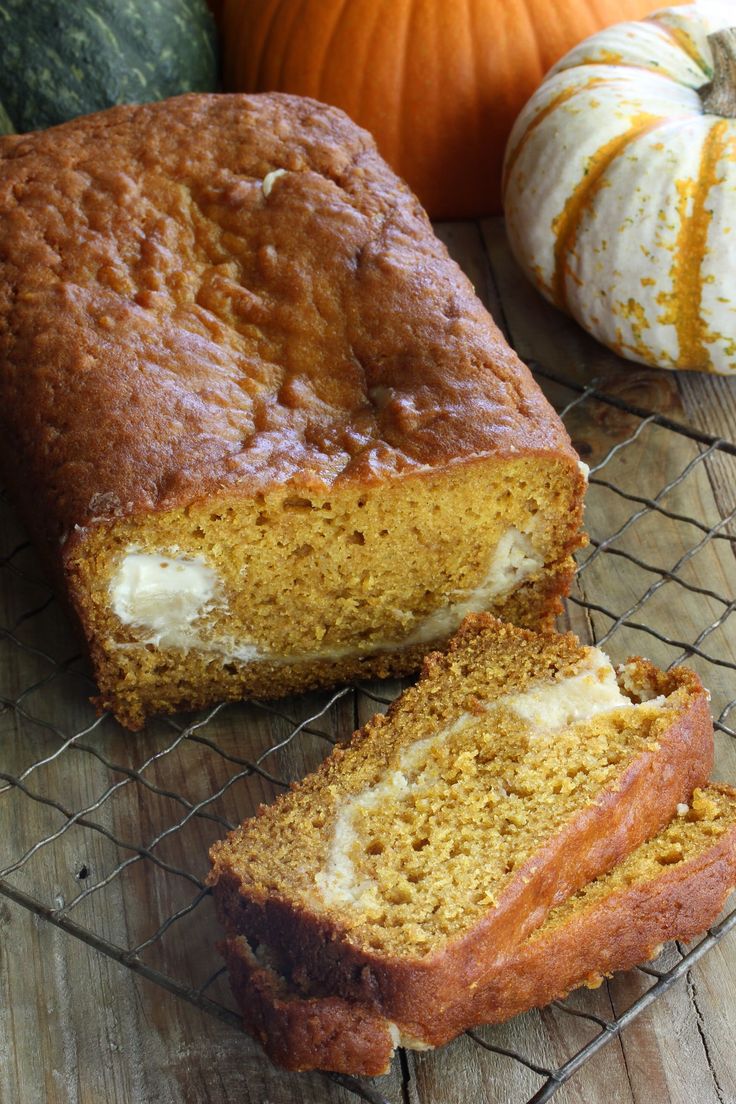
(671, 887)
(420, 856)
(258, 422)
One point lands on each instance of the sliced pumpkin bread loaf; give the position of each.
(671, 887)
(440, 837)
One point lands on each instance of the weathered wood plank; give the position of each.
(78, 1028)
(65, 1005)
(667, 1057)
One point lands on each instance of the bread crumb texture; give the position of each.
(410, 835)
(710, 815)
(309, 589)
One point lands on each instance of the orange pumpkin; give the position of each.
(438, 82)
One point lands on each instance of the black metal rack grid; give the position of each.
(79, 786)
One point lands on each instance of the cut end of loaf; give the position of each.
(263, 596)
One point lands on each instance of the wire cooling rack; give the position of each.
(107, 833)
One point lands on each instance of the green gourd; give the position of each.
(62, 58)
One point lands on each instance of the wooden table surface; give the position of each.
(78, 1026)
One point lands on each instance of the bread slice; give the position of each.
(257, 420)
(671, 887)
(428, 848)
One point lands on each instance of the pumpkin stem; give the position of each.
(719, 95)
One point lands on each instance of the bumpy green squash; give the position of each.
(61, 58)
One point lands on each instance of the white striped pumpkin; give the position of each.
(620, 188)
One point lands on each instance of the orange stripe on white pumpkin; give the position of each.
(567, 142)
(684, 307)
(638, 46)
(627, 240)
(515, 151)
(565, 226)
(682, 38)
(718, 287)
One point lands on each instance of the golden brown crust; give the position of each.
(302, 1033)
(616, 933)
(167, 330)
(415, 990)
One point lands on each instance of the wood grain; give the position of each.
(76, 1026)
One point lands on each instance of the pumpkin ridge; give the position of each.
(527, 7)
(557, 101)
(319, 62)
(682, 40)
(402, 39)
(565, 225)
(469, 24)
(269, 26)
(289, 29)
(687, 272)
(624, 64)
(265, 28)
